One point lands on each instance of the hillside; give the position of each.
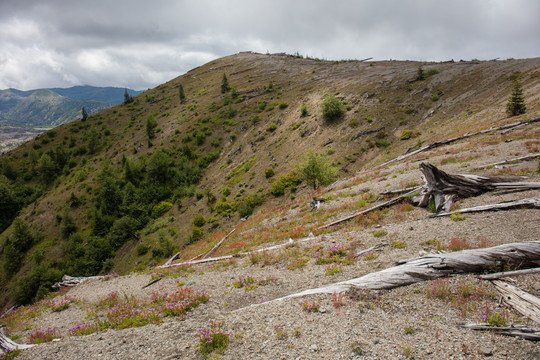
(127, 188)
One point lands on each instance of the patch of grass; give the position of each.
(399, 244)
(39, 337)
(310, 305)
(333, 269)
(297, 263)
(379, 234)
(213, 339)
(457, 217)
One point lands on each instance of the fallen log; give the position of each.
(68, 281)
(524, 332)
(465, 136)
(445, 188)
(525, 303)
(504, 274)
(434, 266)
(174, 257)
(218, 244)
(384, 204)
(6, 344)
(530, 203)
(510, 161)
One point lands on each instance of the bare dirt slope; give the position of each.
(420, 321)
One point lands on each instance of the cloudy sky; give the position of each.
(142, 43)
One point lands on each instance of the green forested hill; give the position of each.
(134, 183)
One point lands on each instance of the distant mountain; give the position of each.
(52, 107)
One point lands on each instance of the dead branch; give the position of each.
(525, 303)
(510, 161)
(376, 247)
(151, 283)
(531, 203)
(400, 191)
(218, 244)
(524, 332)
(434, 266)
(504, 274)
(174, 257)
(384, 204)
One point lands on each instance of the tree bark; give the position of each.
(525, 303)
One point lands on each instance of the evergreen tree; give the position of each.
(181, 94)
(151, 125)
(421, 75)
(516, 102)
(84, 114)
(225, 84)
(127, 98)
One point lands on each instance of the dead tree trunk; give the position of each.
(6, 344)
(445, 188)
(525, 303)
(406, 272)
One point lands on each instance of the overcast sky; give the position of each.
(142, 43)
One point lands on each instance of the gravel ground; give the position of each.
(391, 324)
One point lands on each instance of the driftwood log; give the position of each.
(6, 344)
(445, 188)
(525, 303)
(504, 274)
(531, 203)
(72, 281)
(434, 145)
(406, 272)
(524, 332)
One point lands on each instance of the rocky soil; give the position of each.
(407, 322)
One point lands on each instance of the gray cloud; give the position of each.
(140, 44)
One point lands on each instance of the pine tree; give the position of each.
(127, 98)
(516, 102)
(181, 93)
(420, 75)
(84, 114)
(225, 84)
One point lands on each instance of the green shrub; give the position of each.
(406, 134)
(142, 249)
(196, 234)
(268, 173)
(382, 143)
(283, 105)
(199, 220)
(303, 110)
(161, 209)
(332, 108)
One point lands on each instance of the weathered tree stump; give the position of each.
(445, 188)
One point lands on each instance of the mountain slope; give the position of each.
(129, 186)
(52, 107)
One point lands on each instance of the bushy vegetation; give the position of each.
(332, 108)
(316, 170)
